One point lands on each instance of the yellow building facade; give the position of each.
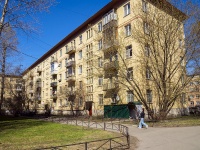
(81, 71)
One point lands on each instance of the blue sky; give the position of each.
(62, 19)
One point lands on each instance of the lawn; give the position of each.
(23, 133)
(183, 121)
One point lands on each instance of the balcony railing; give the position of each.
(39, 70)
(71, 50)
(70, 93)
(110, 86)
(71, 77)
(53, 60)
(112, 43)
(70, 63)
(31, 91)
(53, 84)
(54, 72)
(53, 96)
(111, 65)
(111, 23)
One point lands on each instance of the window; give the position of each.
(180, 43)
(146, 28)
(127, 9)
(61, 102)
(100, 44)
(197, 102)
(100, 62)
(149, 96)
(148, 73)
(128, 30)
(80, 103)
(147, 50)
(100, 99)
(129, 96)
(60, 77)
(60, 64)
(130, 73)
(192, 103)
(61, 53)
(80, 69)
(80, 54)
(100, 81)
(89, 33)
(144, 6)
(80, 84)
(100, 26)
(129, 51)
(197, 96)
(80, 38)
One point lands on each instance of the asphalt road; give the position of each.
(177, 138)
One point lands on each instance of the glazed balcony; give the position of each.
(110, 86)
(114, 65)
(71, 50)
(54, 84)
(70, 63)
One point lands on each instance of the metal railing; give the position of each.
(119, 142)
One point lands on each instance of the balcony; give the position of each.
(71, 77)
(70, 63)
(53, 60)
(114, 65)
(110, 86)
(39, 70)
(111, 44)
(19, 89)
(54, 84)
(53, 96)
(31, 83)
(54, 72)
(70, 93)
(71, 50)
(111, 23)
(30, 91)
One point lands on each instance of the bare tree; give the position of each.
(152, 57)
(8, 43)
(16, 16)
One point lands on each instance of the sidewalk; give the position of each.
(177, 138)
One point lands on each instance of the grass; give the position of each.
(183, 121)
(26, 134)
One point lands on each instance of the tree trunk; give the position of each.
(3, 78)
(4, 11)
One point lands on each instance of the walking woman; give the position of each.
(142, 115)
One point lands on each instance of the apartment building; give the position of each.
(193, 92)
(82, 70)
(14, 86)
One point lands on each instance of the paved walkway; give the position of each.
(177, 138)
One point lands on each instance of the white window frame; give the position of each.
(130, 96)
(100, 62)
(80, 54)
(127, 30)
(144, 6)
(100, 81)
(80, 69)
(81, 39)
(100, 96)
(146, 28)
(100, 44)
(148, 73)
(100, 27)
(127, 9)
(129, 52)
(149, 95)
